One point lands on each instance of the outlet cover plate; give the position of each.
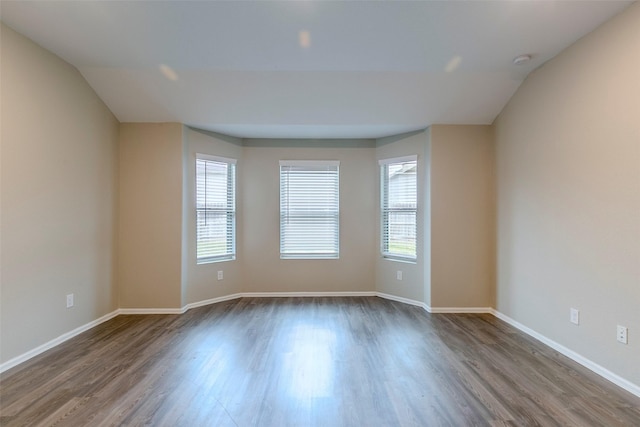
(621, 334)
(575, 316)
(69, 300)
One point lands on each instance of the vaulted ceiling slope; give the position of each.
(306, 69)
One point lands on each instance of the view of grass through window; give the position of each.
(399, 208)
(215, 209)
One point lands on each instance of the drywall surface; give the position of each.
(412, 286)
(568, 168)
(264, 271)
(462, 216)
(150, 215)
(201, 282)
(58, 198)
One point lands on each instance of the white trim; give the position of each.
(216, 258)
(210, 301)
(307, 294)
(56, 341)
(592, 366)
(201, 156)
(309, 162)
(308, 256)
(400, 299)
(404, 159)
(436, 310)
(398, 258)
(453, 310)
(152, 310)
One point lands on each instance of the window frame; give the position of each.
(229, 210)
(284, 215)
(385, 210)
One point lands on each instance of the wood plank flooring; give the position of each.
(308, 362)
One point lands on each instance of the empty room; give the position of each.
(320, 213)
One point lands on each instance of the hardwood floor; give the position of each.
(308, 362)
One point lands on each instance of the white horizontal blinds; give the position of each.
(309, 209)
(399, 207)
(215, 209)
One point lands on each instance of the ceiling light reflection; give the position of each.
(304, 39)
(453, 64)
(168, 72)
(310, 365)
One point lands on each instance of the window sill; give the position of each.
(399, 259)
(214, 260)
(309, 257)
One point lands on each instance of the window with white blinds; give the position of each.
(309, 209)
(399, 203)
(215, 208)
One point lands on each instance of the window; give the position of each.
(399, 199)
(309, 212)
(215, 208)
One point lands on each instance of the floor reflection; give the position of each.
(310, 366)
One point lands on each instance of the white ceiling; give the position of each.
(371, 68)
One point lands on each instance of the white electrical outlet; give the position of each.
(220, 275)
(621, 334)
(399, 275)
(575, 316)
(69, 300)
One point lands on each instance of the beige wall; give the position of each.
(264, 271)
(568, 167)
(58, 198)
(201, 281)
(456, 218)
(157, 266)
(412, 285)
(462, 216)
(150, 215)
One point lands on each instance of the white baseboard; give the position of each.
(210, 301)
(243, 295)
(474, 310)
(151, 311)
(307, 294)
(592, 366)
(401, 299)
(56, 341)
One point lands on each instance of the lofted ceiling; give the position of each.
(306, 69)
